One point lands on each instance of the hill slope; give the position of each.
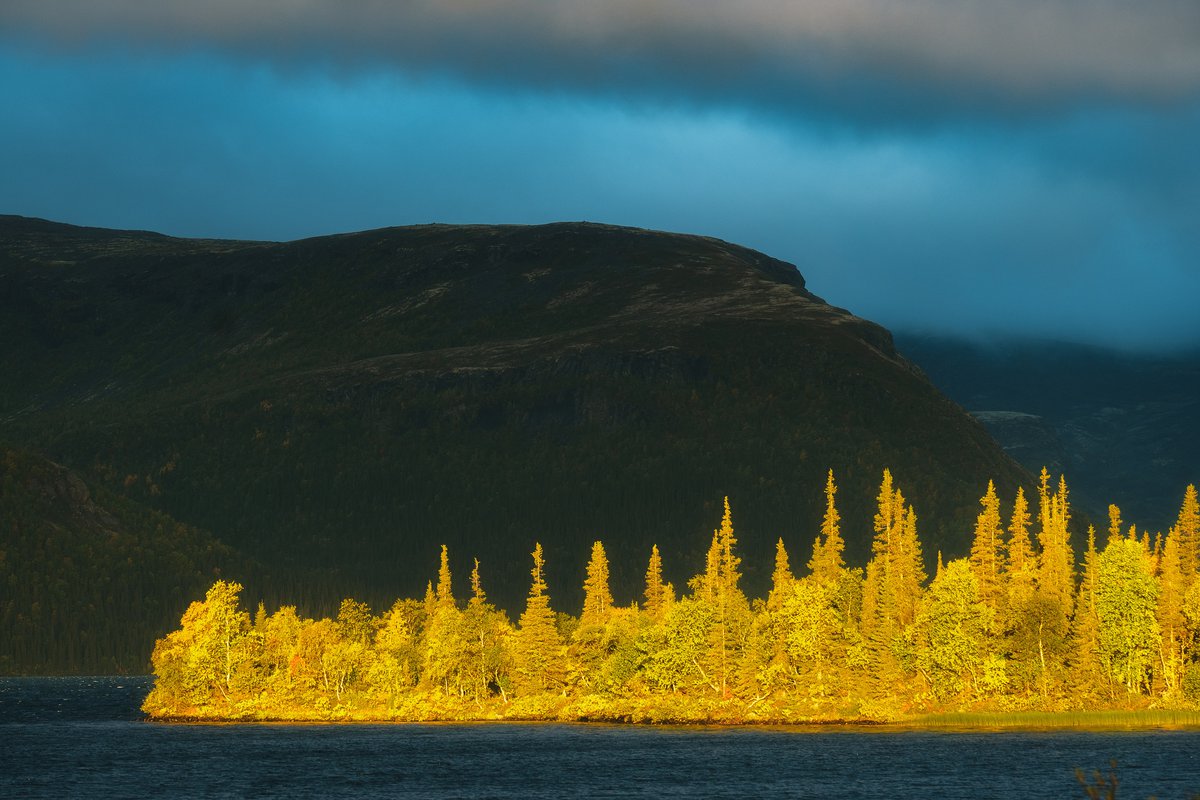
(90, 580)
(1121, 426)
(351, 402)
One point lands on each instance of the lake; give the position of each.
(85, 737)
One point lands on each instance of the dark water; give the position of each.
(84, 737)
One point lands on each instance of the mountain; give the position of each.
(341, 406)
(91, 578)
(1122, 426)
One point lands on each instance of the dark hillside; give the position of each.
(90, 580)
(1121, 426)
(348, 403)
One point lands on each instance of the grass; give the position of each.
(1147, 718)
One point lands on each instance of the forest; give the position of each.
(1022, 624)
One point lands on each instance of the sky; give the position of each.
(984, 168)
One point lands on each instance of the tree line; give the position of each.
(1021, 623)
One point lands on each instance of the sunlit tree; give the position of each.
(1126, 601)
(597, 598)
(537, 658)
(827, 560)
(987, 549)
(952, 634)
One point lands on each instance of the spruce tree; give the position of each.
(1085, 628)
(655, 590)
(892, 591)
(486, 632)
(430, 602)
(477, 593)
(1175, 639)
(781, 579)
(987, 549)
(1114, 522)
(538, 659)
(729, 563)
(731, 618)
(444, 635)
(885, 516)
(597, 598)
(906, 569)
(827, 561)
(1022, 566)
(1187, 527)
(708, 584)
(445, 597)
(1056, 564)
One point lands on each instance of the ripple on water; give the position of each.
(84, 737)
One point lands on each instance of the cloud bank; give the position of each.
(1016, 51)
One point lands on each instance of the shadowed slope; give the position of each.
(351, 402)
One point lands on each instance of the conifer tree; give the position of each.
(1187, 528)
(1054, 596)
(477, 593)
(827, 561)
(707, 584)
(1085, 630)
(729, 563)
(1020, 552)
(878, 619)
(987, 549)
(1170, 616)
(1024, 618)
(444, 635)
(1044, 499)
(1056, 564)
(781, 579)
(597, 598)
(485, 631)
(871, 622)
(430, 601)
(445, 597)
(895, 574)
(538, 659)
(1114, 523)
(655, 590)
(885, 516)
(731, 611)
(906, 568)
(1022, 566)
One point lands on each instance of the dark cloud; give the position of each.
(1014, 166)
(1081, 227)
(857, 57)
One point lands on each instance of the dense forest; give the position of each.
(88, 578)
(1022, 623)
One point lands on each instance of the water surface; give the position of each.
(85, 737)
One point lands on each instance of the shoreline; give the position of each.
(974, 722)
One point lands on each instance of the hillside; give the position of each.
(90, 580)
(350, 402)
(1121, 426)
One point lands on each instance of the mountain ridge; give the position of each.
(349, 403)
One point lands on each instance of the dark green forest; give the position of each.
(86, 579)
